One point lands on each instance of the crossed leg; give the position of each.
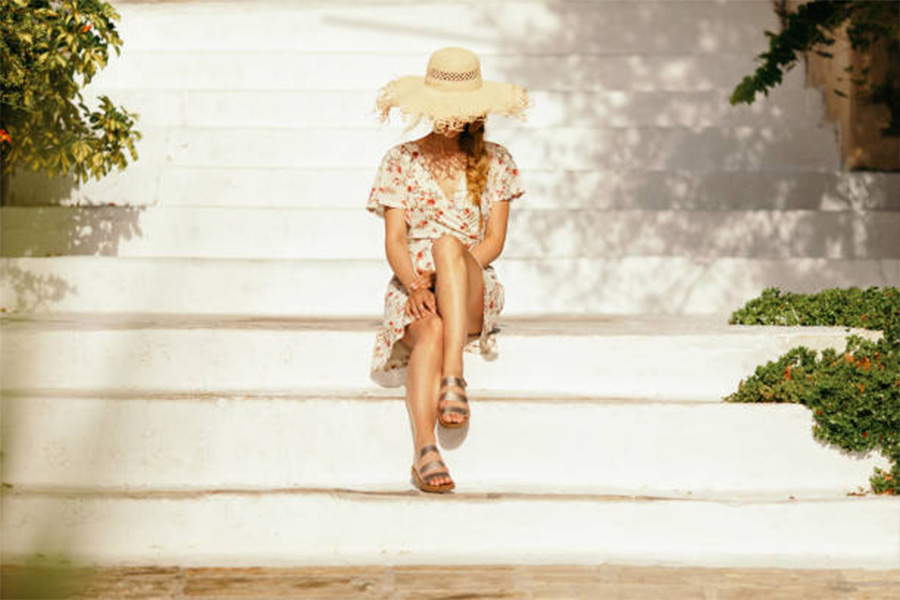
(459, 287)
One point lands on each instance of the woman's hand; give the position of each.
(420, 302)
(425, 280)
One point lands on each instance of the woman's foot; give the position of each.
(429, 472)
(453, 405)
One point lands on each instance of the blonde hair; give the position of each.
(471, 140)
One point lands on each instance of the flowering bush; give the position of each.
(48, 51)
(854, 395)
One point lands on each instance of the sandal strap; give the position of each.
(425, 449)
(455, 409)
(453, 396)
(430, 466)
(453, 380)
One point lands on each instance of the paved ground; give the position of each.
(455, 583)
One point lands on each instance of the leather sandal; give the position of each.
(423, 481)
(455, 397)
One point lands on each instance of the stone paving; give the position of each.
(458, 582)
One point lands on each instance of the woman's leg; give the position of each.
(425, 337)
(459, 289)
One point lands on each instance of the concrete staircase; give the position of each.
(185, 348)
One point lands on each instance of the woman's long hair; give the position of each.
(471, 140)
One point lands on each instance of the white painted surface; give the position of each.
(336, 528)
(699, 365)
(532, 27)
(654, 148)
(524, 445)
(606, 108)
(626, 285)
(599, 189)
(329, 233)
(357, 71)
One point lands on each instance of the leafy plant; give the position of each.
(854, 395)
(48, 51)
(811, 28)
(872, 308)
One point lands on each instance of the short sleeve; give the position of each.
(389, 187)
(507, 184)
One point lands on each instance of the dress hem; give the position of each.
(391, 371)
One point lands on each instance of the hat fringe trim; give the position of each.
(449, 112)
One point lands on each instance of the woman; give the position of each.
(444, 199)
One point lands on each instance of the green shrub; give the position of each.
(873, 308)
(48, 51)
(854, 395)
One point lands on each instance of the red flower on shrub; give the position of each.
(86, 28)
(4, 136)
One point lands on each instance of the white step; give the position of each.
(690, 26)
(788, 107)
(281, 233)
(292, 287)
(351, 70)
(676, 358)
(337, 527)
(652, 149)
(632, 188)
(786, 151)
(512, 445)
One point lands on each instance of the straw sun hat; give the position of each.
(451, 93)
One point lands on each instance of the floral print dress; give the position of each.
(404, 181)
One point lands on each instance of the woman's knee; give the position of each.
(428, 330)
(433, 326)
(447, 246)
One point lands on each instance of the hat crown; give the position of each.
(454, 69)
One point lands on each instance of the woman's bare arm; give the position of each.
(491, 246)
(396, 248)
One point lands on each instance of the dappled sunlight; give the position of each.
(653, 131)
(149, 318)
(701, 234)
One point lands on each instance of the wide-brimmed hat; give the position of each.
(452, 93)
